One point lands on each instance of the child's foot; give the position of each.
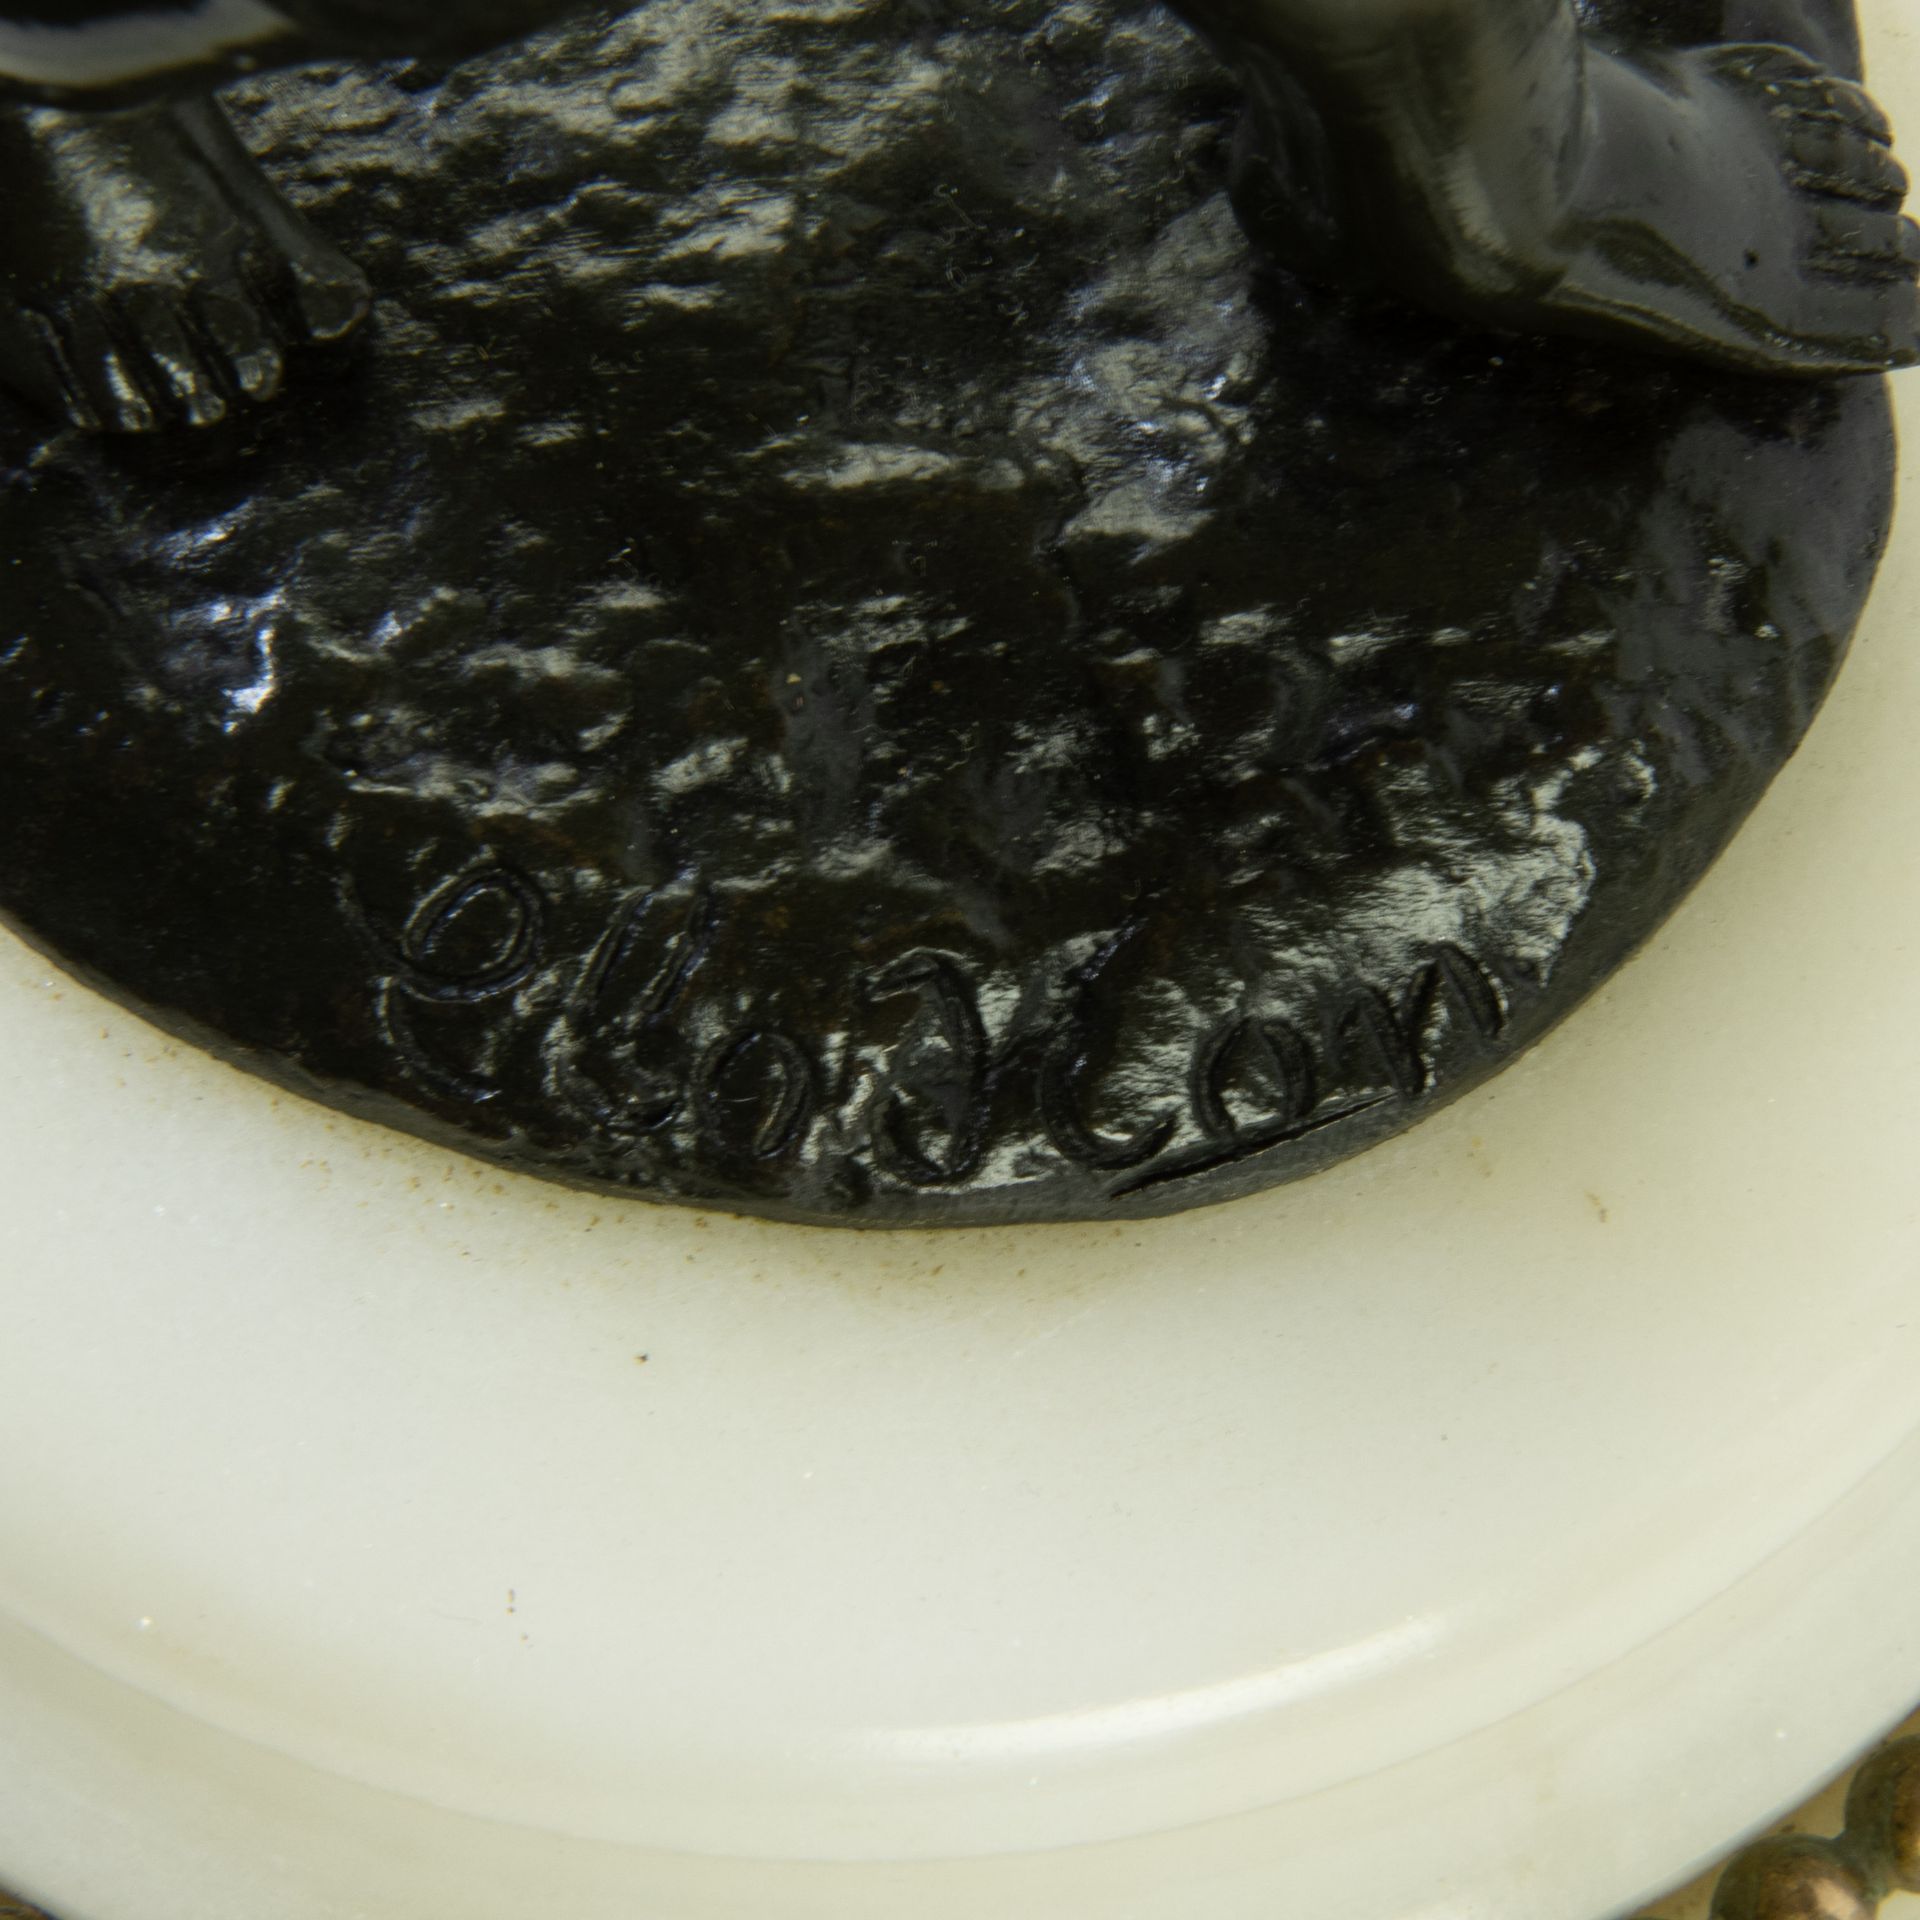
(1738, 203)
(1741, 202)
(150, 276)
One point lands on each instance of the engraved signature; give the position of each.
(927, 1112)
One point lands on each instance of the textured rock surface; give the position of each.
(837, 654)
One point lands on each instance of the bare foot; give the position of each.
(1487, 157)
(150, 276)
(1741, 202)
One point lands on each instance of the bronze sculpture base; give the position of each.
(838, 654)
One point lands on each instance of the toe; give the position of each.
(332, 304)
(40, 367)
(317, 295)
(1900, 324)
(1865, 326)
(241, 344)
(1858, 108)
(1765, 66)
(1843, 164)
(1857, 243)
(177, 370)
(106, 374)
(1823, 97)
(128, 408)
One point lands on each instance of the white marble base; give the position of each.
(1493, 1527)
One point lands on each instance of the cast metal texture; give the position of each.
(840, 653)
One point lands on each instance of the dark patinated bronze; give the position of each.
(844, 645)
